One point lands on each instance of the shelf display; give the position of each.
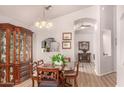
(17, 47)
(21, 47)
(11, 48)
(28, 48)
(2, 55)
(3, 46)
(15, 53)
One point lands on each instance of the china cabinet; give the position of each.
(15, 53)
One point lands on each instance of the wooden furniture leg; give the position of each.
(32, 82)
(75, 82)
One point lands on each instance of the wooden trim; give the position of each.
(22, 29)
(0, 47)
(14, 71)
(14, 33)
(7, 25)
(7, 55)
(0, 56)
(31, 48)
(25, 56)
(17, 66)
(31, 53)
(19, 47)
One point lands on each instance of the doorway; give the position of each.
(85, 45)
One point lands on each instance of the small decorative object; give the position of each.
(66, 45)
(58, 59)
(48, 49)
(84, 45)
(67, 36)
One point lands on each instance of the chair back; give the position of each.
(68, 59)
(77, 68)
(34, 67)
(40, 62)
(48, 75)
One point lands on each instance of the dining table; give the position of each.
(52, 66)
(49, 67)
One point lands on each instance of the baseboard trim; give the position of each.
(120, 84)
(102, 74)
(116, 85)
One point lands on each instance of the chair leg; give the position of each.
(75, 83)
(69, 81)
(32, 82)
(38, 84)
(67, 84)
(63, 83)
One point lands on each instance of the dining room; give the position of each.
(41, 49)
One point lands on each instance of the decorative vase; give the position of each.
(58, 63)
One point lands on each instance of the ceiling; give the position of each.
(28, 14)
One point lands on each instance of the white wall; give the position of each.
(4, 19)
(65, 24)
(107, 43)
(84, 36)
(120, 46)
(107, 22)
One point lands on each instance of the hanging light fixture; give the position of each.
(44, 23)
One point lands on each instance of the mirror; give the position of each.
(106, 42)
(50, 45)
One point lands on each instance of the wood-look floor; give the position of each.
(86, 78)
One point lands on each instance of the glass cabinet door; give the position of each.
(17, 47)
(28, 48)
(2, 74)
(12, 47)
(11, 73)
(2, 56)
(21, 47)
(3, 46)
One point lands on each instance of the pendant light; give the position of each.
(44, 23)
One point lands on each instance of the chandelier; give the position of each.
(44, 23)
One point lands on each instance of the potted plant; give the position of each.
(58, 59)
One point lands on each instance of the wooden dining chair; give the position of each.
(40, 62)
(68, 59)
(48, 77)
(71, 74)
(34, 72)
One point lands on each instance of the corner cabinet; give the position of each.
(15, 53)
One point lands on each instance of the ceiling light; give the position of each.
(82, 27)
(44, 23)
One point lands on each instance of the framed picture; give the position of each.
(66, 45)
(67, 36)
(83, 45)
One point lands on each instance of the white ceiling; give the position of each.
(30, 13)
